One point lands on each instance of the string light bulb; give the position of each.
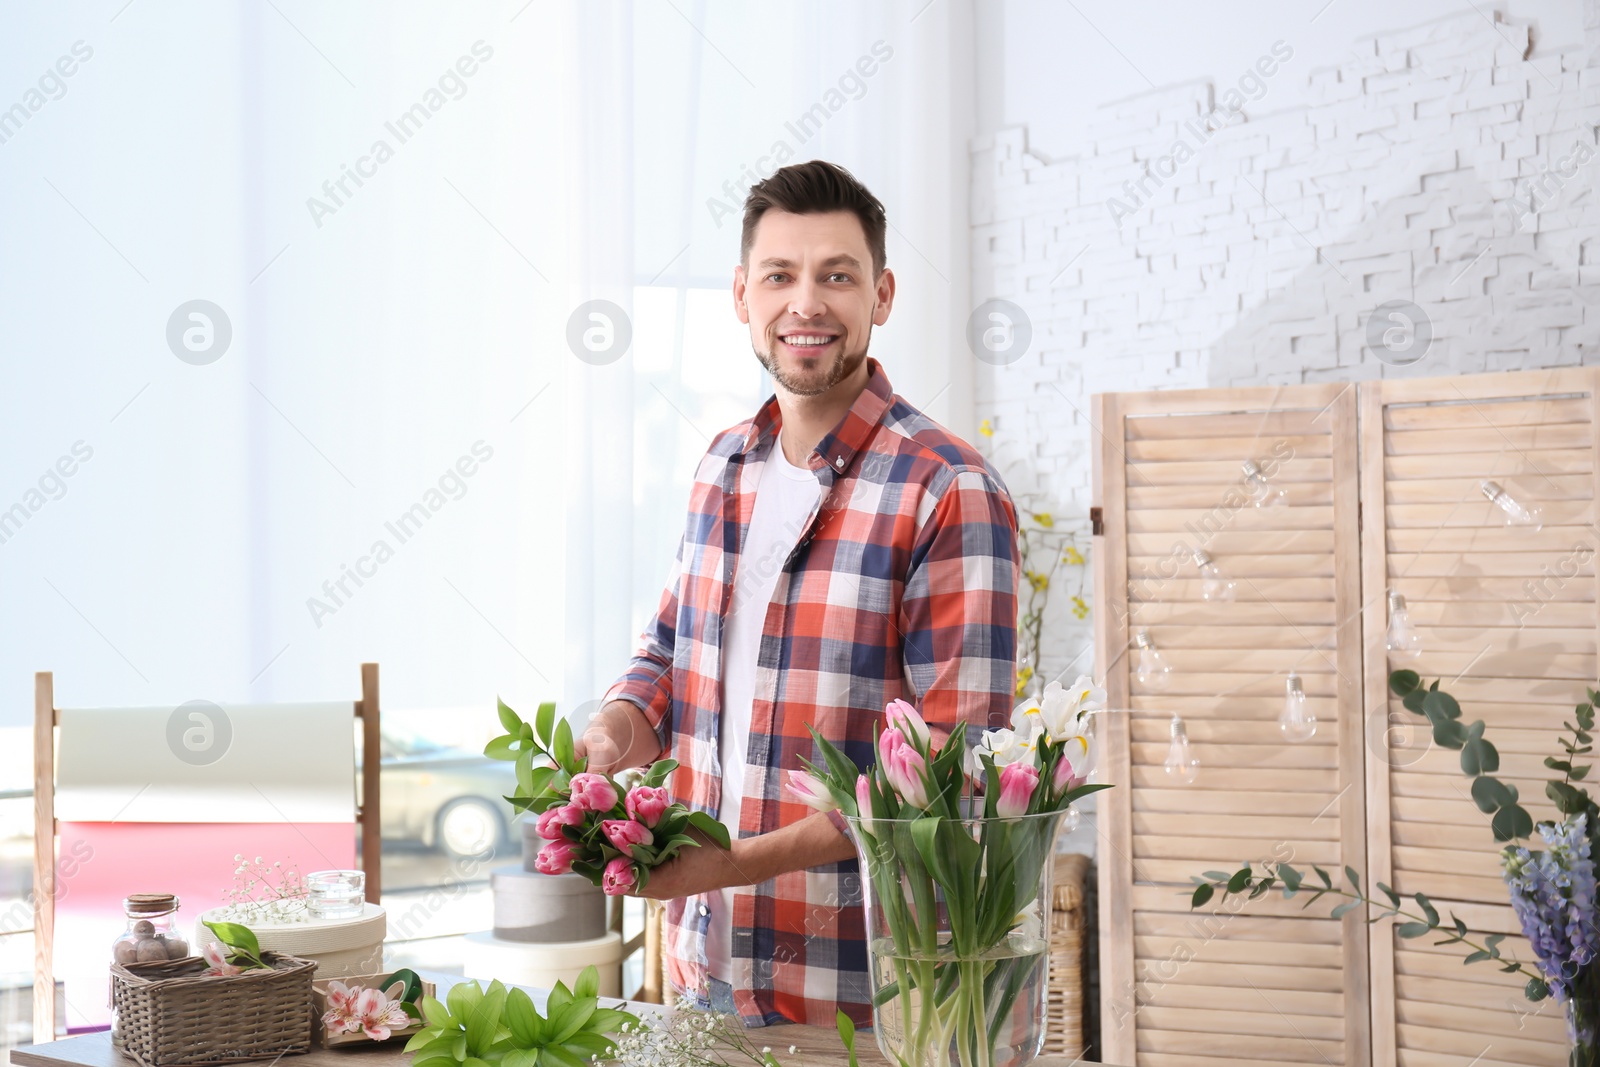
(1516, 513)
(1297, 721)
(1403, 641)
(1214, 585)
(1152, 671)
(1181, 765)
(1262, 495)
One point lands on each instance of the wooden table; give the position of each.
(815, 1046)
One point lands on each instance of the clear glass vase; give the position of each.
(957, 936)
(1583, 1025)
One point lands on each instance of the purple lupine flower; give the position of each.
(1553, 894)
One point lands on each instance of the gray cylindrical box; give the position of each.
(545, 908)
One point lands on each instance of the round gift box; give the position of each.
(487, 957)
(341, 947)
(543, 908)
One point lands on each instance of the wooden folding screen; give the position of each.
(1267, 983)
(1508, 620)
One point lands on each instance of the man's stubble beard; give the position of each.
(844, 365)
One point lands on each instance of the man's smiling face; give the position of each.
(810, 298)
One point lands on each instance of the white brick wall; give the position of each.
(1261, 258)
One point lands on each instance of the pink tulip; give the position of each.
(625, 833)
(548, 825)
(810, 792)
(903, 717)
(619, 878)
(904, 767)
(593, 792)
(1066, 776)
(647, 804)
(864, 801)
(555, 858)
(1017, 784)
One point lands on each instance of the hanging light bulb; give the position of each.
(1153, 671)
(1181, 766)
(1404, 643)
(1262, 495)
(1213, 584)
(1297, 721)
(1517, 514)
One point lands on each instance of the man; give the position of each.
(842, 550)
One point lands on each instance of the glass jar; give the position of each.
(152, 936)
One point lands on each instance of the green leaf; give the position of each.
(1217, 876)
(1290, 878)
(436, 1013)
(1492, 943)
(1428, 909)
(1345, 908)
(422, 1038)
(847, 1035)
(1202, 894)
(484, 1022)
(544, 724)
(1437, 706)
(1412, 929)
(1512, 823)
(1489, 794)
(1403, 682)
(1568, 801)
(575, 1016)
(558, 1000)
(1240, 880)
(462, 998)
(1326, 881)
(1448, 733)
(1479, 757)
(510, 720)
(501, 748)
(237, 937)
(1461, 927)
(520, 1057)
(1355, 879)
(709, 826)
(522, 1018)
(1580, 773)
(659, 772)
(562, 1058)
(588, 983)
(1536, 989)
(1476, 957)
(1394, 898)
(561, 749)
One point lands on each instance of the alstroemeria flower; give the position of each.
(625, 833)
(555, 858)
(375, 1012)
(903, 717)
(904, 767)
(647, 803)
(593, 792)
(811, 792)
(219, 962)
(619, 878)
(1018, 781)
(548, 825)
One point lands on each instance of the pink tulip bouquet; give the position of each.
(612, 836)
(956, 844)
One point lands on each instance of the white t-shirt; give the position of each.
(785, 498)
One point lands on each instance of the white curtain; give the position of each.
(391, 333)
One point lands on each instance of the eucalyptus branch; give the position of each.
(1293, 881)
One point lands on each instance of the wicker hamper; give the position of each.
(168, 1015)
(1064, 1007)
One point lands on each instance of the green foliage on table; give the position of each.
(501, 1028)
(847, 1036)
(1508, 820)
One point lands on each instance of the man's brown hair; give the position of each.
(812, 189)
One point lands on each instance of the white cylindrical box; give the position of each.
(487, 957)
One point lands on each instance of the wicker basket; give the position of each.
(1064, 1006)
(169, 1015)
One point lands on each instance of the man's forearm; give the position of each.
(811, 842)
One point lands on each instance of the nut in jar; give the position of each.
(152, 935)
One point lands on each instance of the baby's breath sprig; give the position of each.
(263, 893)
(691, 1037)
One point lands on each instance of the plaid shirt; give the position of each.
(903, 584)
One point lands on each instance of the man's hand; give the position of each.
(811, 842)
(698, 870)
(618, 737)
